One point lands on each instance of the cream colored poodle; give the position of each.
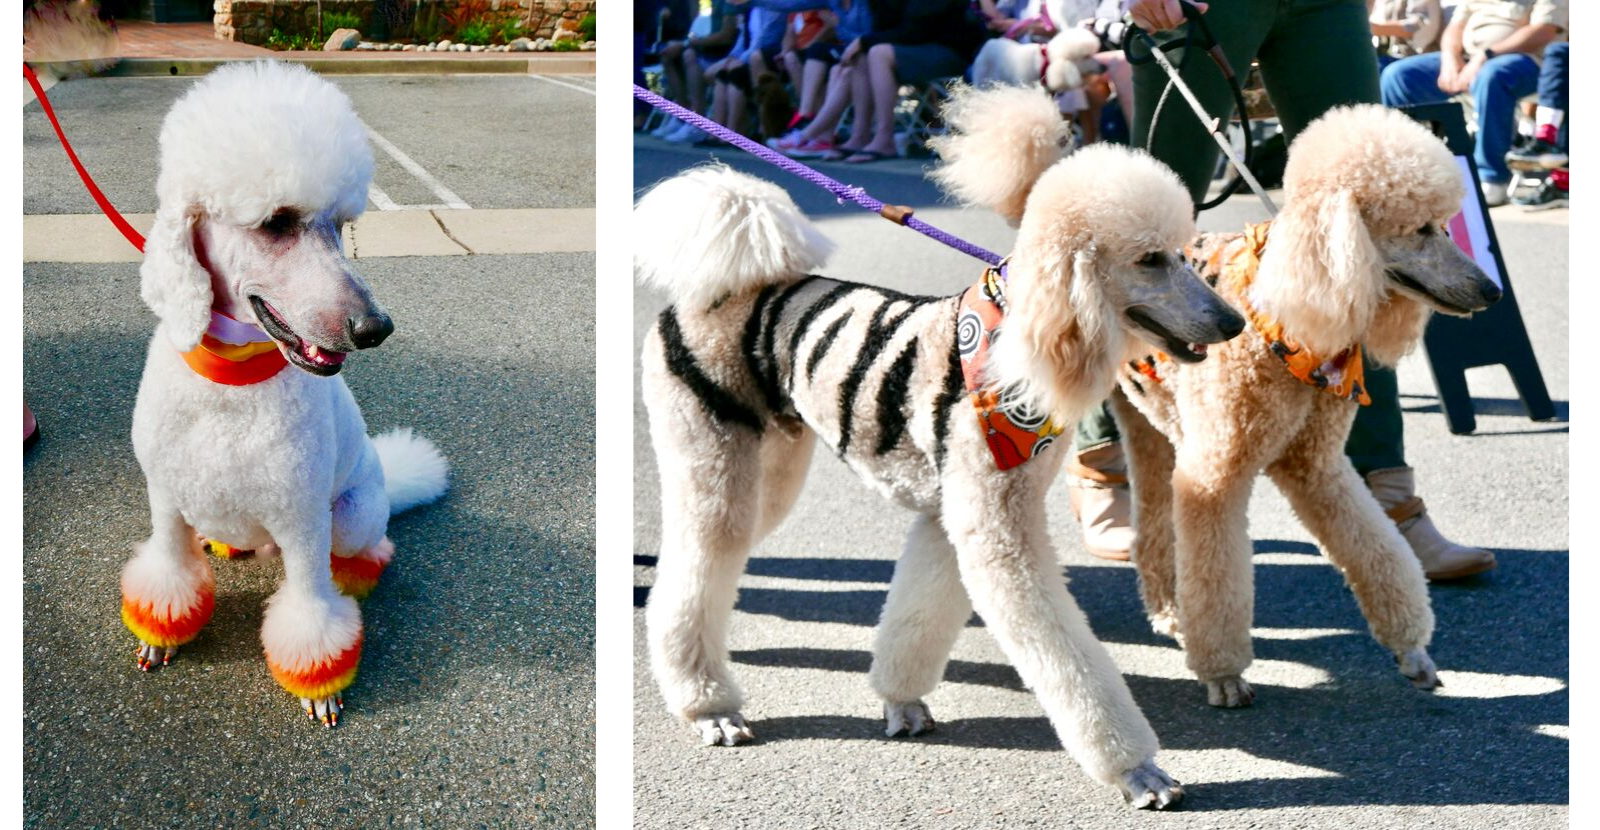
(755, 360)
(1349, 272)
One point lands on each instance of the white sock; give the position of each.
(1549, 115)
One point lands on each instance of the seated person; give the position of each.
(1548, 150)
(688, 70)
(1403, 28)
(1490, 49)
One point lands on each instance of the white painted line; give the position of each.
(550, 80)
(451, 200)
(379, 198)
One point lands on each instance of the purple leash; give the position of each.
(898, 214)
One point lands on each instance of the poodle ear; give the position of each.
(1321, 276)
(1065, 51)
(173, 282)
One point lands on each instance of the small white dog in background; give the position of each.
(247, 438)
(1059, 64)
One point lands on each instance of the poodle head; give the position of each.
(1361, 239)
(1098, 259)
(261, 165)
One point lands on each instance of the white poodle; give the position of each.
(755, 360)
(247, 437)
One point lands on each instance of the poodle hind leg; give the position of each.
(925, 611)
(312, 633)
(711, 482)
(1150, 464)
(168, 590)
(361, 551)
(1386, 578)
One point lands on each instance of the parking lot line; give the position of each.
(550, 80)
(448, 197)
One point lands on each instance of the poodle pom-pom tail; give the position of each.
(1001, 140)
(414, 471)
(711, 231)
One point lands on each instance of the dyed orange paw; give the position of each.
(321, 680)
(357, 575)
(161, 632)
(222, 550)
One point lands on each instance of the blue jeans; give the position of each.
(1553, 84)
(1500, 82)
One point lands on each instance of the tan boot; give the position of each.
(1442, 559)
(1101, 501)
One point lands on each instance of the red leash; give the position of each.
(99, 198)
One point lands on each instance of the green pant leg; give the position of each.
(1096, 429)
(1181, 140)
(1317, 56)
(1377, 441)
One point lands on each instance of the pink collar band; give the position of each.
(235, 332)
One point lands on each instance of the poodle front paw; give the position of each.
(1165, 623)
(325, 709)
(313, 647)
(908, 719)
(1229, 692)
(723, 730)
(1418, 667)
(1146, 787)
(153, 656)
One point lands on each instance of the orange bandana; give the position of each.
(1015, 432)
(1340, 375)
(233, 365)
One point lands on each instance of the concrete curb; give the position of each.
(499, 64)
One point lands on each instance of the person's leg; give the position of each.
(840, 82)
(1179, 139)
(1502, 80)
(813, 81)
(885, 90)
(1553, 88)
(862, 107)
(1302, 45)
(1412, 81)
(694, 76)
(672, 70)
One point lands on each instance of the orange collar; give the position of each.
(234, 365)
(1341, 375)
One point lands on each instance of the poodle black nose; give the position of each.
(1232, 325)
(1491, 292)
(370, 330)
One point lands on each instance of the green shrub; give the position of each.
(280, 41)
(586, 26)
(334, 21)
(565, 46)
(510, 29)
(475, 33)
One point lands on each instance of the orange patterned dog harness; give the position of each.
(1237, 262)
(1014, 431)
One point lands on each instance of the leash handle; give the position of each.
(134, 238)
(840, 190)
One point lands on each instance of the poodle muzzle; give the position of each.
(1179, 313)
(1436, 272)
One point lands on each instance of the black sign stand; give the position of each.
(1496, 337)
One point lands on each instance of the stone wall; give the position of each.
(252, 21)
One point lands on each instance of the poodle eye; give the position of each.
(1154, 259)
(281, 222)
(1425, 230)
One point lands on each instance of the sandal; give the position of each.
(867, 157)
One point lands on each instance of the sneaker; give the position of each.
(1494, 193)
(1536, 155)
(809, 149)
(1547, 196)
(668, 127)
(690, 134)
(786, 142)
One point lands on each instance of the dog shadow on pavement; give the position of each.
(1356, 734)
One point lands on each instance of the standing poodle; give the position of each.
(247, 437)
(1348, 272)
(755, 360)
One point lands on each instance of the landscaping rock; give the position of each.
(521, 44)
(474, 48)
(409, 47)
(459, 47)
(588, 46)
(364, 46)
(342, 40)
(442, 46)
(566, 34)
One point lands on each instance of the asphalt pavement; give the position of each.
(475, 701)
(1336, 738)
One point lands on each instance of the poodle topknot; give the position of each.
(250, 138)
